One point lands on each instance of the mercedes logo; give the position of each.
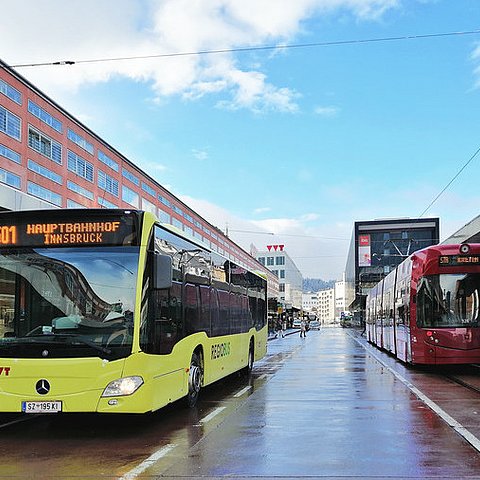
(42, 387)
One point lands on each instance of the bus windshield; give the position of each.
(450, 300)
(67, 302)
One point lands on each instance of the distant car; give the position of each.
(296, 323)
(314, 325)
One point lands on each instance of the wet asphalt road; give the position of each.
(328, 406)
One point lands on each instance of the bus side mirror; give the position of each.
(162, 271)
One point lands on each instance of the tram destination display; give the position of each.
(458, 260)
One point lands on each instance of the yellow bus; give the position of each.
(110, 311)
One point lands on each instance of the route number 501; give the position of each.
(8, 235)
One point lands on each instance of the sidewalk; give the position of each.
(288, 331)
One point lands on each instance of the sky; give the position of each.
(362, 109)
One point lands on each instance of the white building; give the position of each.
(290, 280)
(310, 302)
(340, 298)
(326, 306)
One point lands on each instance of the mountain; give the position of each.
(316, 284)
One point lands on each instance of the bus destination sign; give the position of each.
(64, 232)
(458, 260)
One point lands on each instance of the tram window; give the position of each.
(449, 301)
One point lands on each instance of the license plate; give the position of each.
(42, 407)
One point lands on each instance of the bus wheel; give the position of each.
(195, 378)
(251, 358)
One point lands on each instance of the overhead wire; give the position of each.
(249, 49)
(450, 182)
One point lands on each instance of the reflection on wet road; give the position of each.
(319, 407)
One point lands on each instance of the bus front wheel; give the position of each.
(195, 379)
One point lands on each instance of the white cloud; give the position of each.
(80, 30)
(318, 252)
(327, 111)
(259, 210)
(200, 154)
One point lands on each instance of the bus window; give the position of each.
(191, 308)
(163, 326)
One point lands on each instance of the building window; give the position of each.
(44, 172)
(44, 145)
(130, 196)
(164, 200)
(164, 217)
(261, 260)
(44, 116)
(280, 261)
(80, 141)
(9, 178)
(73, 204)
(80, 190)
(148, 189)
(10, 154)
(44, 194)
(269, 261)
(148, 206)
(10, 123)
(107, 183)
(177, 223)
(107, 161)
(10, 92)
(275, 272)
(130, 176)
(79, 166)
(188, 217)
(281, 287)
(282, 273)
(105, 203)
(177, 210)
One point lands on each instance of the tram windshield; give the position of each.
(449, 300)
(67, 302)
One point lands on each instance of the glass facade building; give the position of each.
(377, 247)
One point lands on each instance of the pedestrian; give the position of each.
(279, 329)
(303, 328)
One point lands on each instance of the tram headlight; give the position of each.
(123, 386)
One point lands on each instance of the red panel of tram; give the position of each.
(435, 315)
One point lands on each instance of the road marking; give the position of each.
(242, 391)
(134, 473)
(212, 414)
(457, 426)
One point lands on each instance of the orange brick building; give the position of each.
(48, 154)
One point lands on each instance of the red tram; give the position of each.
(427, 310)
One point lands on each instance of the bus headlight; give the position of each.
(123, 386)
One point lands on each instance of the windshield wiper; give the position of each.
(89, 343)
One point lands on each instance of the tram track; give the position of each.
(469, 378)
